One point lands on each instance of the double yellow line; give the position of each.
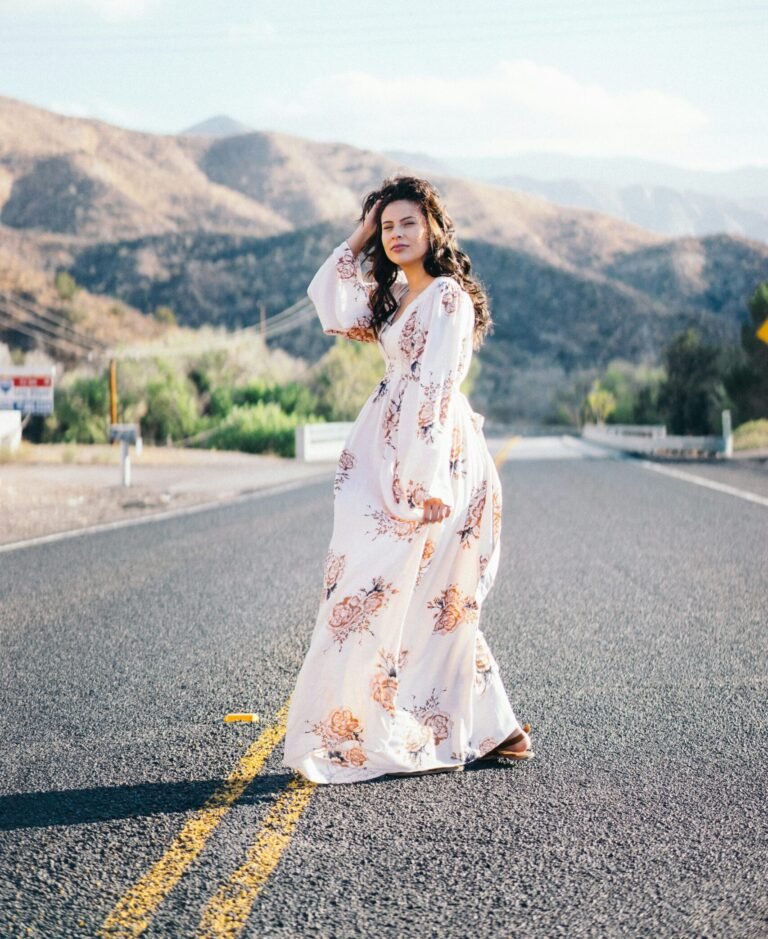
(226, 914)
(228, 911)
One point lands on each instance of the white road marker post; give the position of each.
(127, 434)
(727, 435)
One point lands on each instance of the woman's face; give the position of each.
(404, 232)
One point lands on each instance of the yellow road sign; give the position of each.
(762, 333)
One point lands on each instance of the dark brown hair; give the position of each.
(443, 257)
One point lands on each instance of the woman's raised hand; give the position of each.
(365, 230)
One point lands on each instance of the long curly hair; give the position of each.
(443, 257)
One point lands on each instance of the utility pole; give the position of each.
(112, 392)
(263, 321)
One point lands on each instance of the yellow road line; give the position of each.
(227, 912)
(135, 909)
(504, 452)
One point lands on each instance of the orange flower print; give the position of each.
(346, 463)
(426, 414)
(414, 493)
(496, 515)
(413, 341)
(435, 727)
(449, 290)
(336, 732)
(354, 613)
(456, 458)
(453, 609)
(486, 745)
(439, 724)
(400, 528)
(471, 527)
(362, 332)
(384, 683)
(355, 757)
(344, 724)
(484, 559)
(426, 557)
(483, 664)
(334, 568)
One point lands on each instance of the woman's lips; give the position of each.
(399, 247)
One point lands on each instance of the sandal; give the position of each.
(503, 749)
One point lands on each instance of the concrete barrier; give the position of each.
(653, 438)
(316, 442)
(10, 431)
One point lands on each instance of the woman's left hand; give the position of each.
(435, 510)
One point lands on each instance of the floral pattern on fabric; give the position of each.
(471, 529)
(413, 340)
(384, 683)
(334, 570)
(342, 735)
(395, 677)
(426, 557)
(345, 465)
(454, 609)
(354, 613)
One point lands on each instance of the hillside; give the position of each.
(214, 226)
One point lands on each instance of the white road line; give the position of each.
(161, 516)
(707, 483)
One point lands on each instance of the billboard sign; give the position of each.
(26, 388)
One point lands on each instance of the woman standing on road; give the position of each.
(398, 677)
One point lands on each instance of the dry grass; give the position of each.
(751, 436)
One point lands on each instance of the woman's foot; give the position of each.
(517, 746)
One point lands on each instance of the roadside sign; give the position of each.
(26, 388)
(762, 333)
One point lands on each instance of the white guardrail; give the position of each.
(321, 441)
(653, 438)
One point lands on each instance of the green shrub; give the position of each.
(293, 397)
(65, 285)
(172, 407)
(258, 428)
(80, 412)
(345, 377)
(753, 435)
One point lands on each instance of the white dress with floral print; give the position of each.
(398, 676)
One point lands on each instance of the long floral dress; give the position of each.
(398, 676)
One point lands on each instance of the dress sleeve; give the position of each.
(341, 296)
(441, 357)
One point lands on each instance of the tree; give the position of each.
(693, 395)
(65, 284)
(747, 378)
(600, 403)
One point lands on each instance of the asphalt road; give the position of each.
(629, 620)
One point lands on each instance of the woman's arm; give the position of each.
(338, 291)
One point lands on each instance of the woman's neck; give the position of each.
(417, 277)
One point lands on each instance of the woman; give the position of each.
(398, 678)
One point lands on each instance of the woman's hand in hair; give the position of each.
(365, 230)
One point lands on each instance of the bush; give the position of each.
(65, 285)
(345, 377)
(293, 397)
(693, 395)
(753, 435)
(259, 428)
(80, 412)
(171, 407)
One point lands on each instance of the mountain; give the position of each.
(669, 200)
(221, 125)
(215, 226)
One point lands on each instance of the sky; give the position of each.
(677, 81)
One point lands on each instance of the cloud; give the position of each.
(105, 9)
(515, 106)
